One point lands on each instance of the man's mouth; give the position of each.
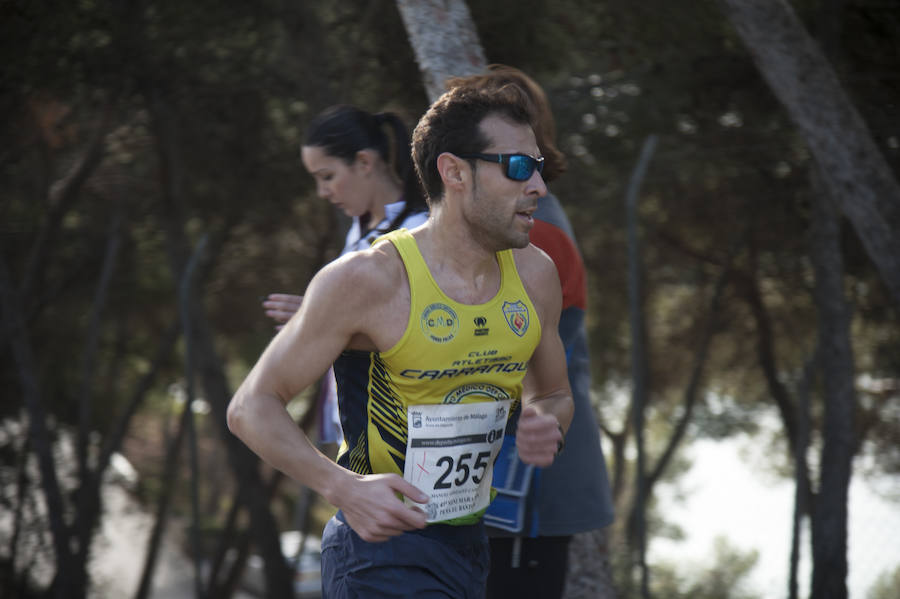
(527, 214)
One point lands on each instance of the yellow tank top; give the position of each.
(449, 353)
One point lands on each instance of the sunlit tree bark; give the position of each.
(444, 40)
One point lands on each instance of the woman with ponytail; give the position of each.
(361, 163)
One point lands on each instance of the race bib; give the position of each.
(450, 453)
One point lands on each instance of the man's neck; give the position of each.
(463, 268)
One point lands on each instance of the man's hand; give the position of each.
(538, 437)
(373, 509)
(281, 306)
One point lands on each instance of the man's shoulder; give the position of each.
(378, 268)
(359, 295)
(532, 261)
(540, 278)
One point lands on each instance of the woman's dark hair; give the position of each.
(342, 131)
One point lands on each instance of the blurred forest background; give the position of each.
(152, 193)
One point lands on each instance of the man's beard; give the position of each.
(489, 231)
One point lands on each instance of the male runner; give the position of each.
(431, 333)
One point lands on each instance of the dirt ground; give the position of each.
(120, 548)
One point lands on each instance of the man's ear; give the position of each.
(455, 171)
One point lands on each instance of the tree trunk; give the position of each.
(89, 496)
(71, 560)
(701, 353)
(765, 351)
(829, 525)
(154, 543)
(850, 163)
(245, 464)
(16, 334)
(185, 289)
(640, 364)
(444, 41)
(61, 197)
(590, 571)
(802, 491)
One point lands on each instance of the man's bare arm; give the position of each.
(547, 404)
(337, 312)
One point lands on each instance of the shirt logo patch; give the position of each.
(481, 326)
(516, 314)
(476, 392)
(439, 323)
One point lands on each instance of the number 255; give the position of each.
(462, 469)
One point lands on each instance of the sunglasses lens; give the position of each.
(520, 167)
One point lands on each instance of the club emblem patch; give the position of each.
(516, 314)
(476, 392)
(439, 323)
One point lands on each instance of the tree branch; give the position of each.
(62, 195)
(700, 356)
(23, 356)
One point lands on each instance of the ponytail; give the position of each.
(401, 159)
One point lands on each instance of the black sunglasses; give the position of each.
(519, 167)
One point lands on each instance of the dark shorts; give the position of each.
(440, 561)
(533, 569)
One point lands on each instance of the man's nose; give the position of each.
(536, 184)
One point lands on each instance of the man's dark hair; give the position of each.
(452, 124)
(542, 121)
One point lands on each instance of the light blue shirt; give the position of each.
(357, 241)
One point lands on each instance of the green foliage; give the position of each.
(235, 86)
(886, 586)
(730, 177)
(725, 578)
